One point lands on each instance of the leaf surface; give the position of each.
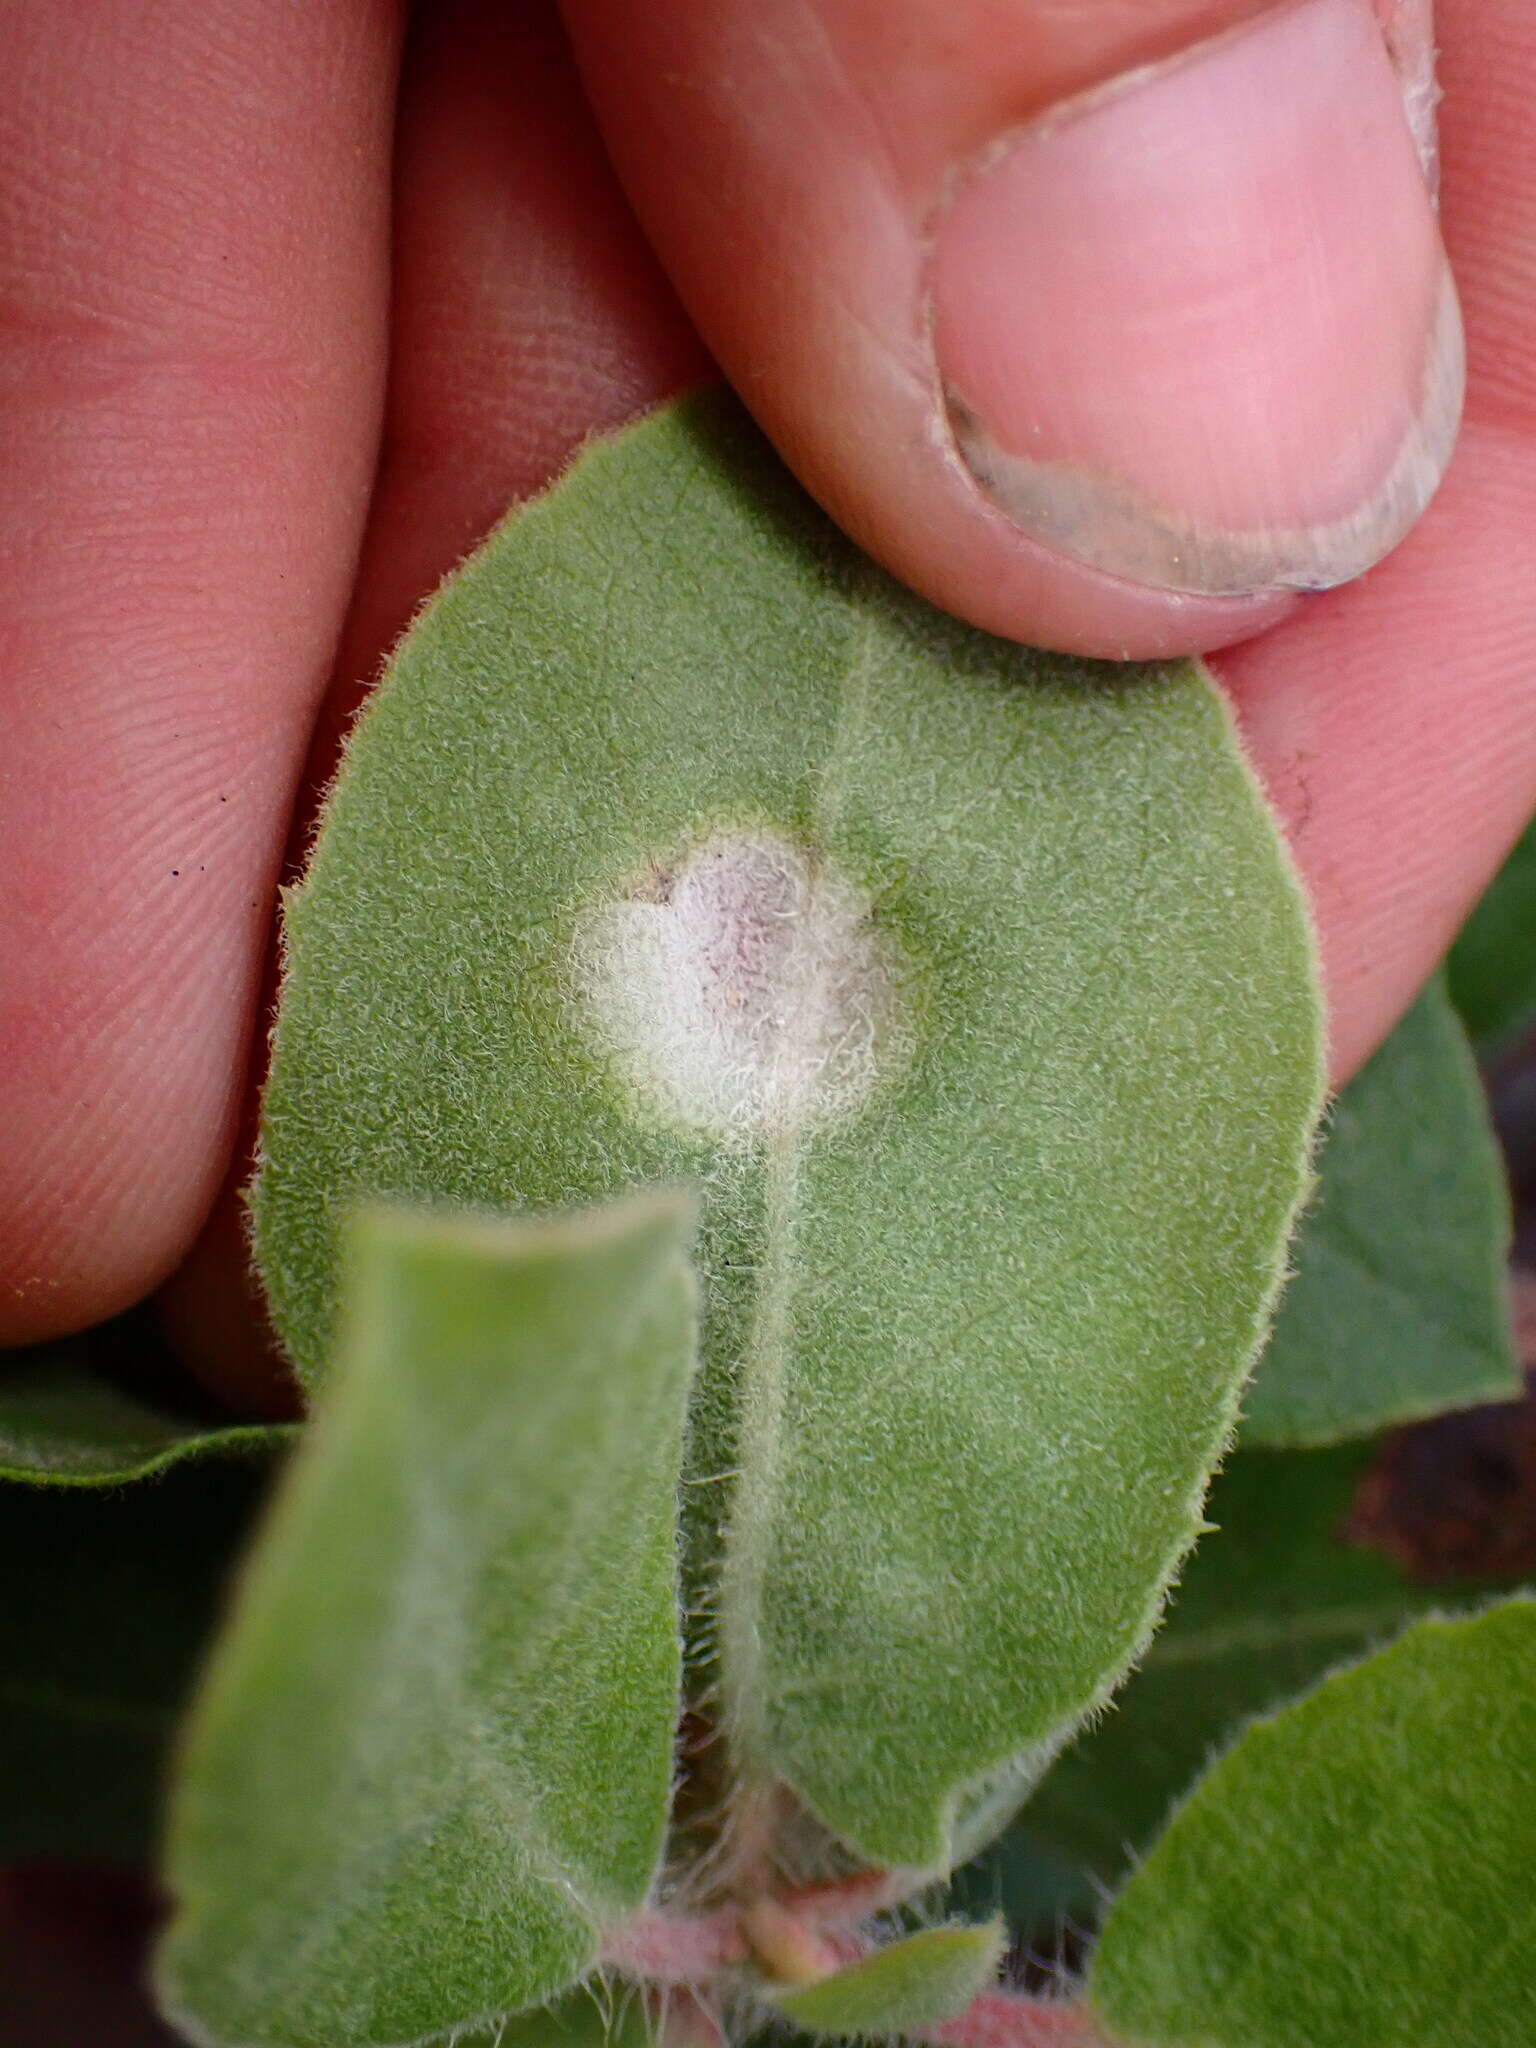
(968, 984)
(901, 1987)
(433, 1757)
(1399, 1305)
(1492, 967)
(1357, 1869)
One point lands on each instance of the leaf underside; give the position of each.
(1399, 1305)
(971, 1347)
(1355, 1870)
(433, 1757)
(64, 1420)
(902, 1987)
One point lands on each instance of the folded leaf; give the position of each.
(65, 1422)
(434, 1754)
(1492, 966)
(970, 986)
(1356, 1870)
(904, 1986)
(1399, 1306)
(107, 1602)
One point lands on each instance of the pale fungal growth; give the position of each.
(745, 992)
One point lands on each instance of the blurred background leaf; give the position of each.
(1298, 1575)
(1398, 1307)
(1356, 1870)
(1492, 966)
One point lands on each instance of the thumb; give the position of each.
(1105, 326)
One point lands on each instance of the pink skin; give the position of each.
(820, 168)
(1215, 284)
(189, 487)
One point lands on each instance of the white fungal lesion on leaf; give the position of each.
(744, 989)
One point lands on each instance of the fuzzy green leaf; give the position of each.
(1492, 966)
(65, 1422)
(1356, 1870)
(434, 1755)
(1272, 1598)
(968, 983)
(1399, 1306)
(904, 1986)
(107, 1601)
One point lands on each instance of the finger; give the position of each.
(529, 310)
(1395, 722)
(1106, 327)
(1485, 655)
(528, 313)
(192, 294)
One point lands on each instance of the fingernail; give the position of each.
(1197, 329)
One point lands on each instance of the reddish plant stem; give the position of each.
(800, 1939)
(1010, 2019)
(666, 1948)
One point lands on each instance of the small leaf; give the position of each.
(1492, 966)
(970, 986)
(1356, 1870)
(1399, 1308)
(64, 1422)
(904, 1986)
(1272, 1598)
(434, 1753)
(107, 1602)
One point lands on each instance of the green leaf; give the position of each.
(1356, 1870)
(65, 1422)
(1399, 1308)
(107, 1600)
(1272, 1598)
(969, 984)
(433, 1758)
(1492, 966)
(906, 1985)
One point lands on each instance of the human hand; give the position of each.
(235, 466)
